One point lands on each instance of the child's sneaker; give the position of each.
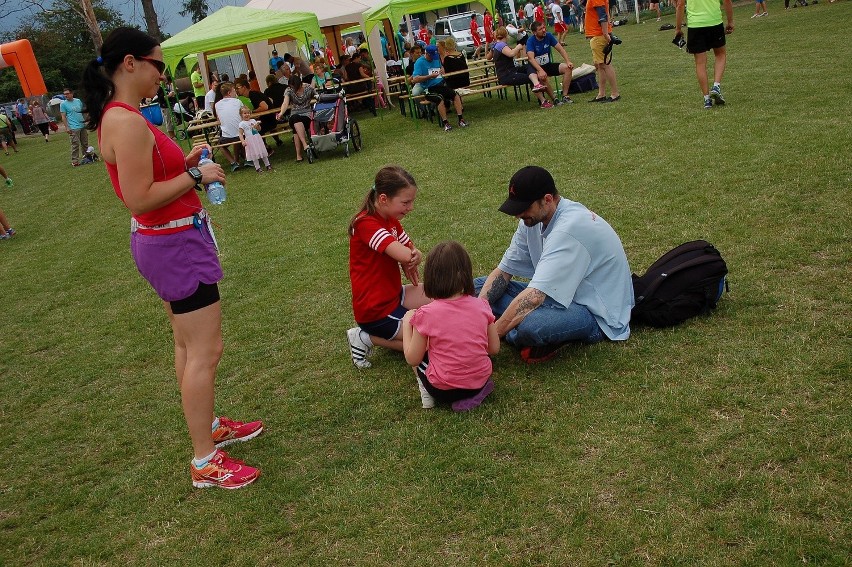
(716, 95)
(235, 166)
(567, 100)
(233, 431)
(269, 168)
(257, 169)
(10, 233)
(426, 398)
(538, 88)
(708, 104)
(462, 123)
(224, 472)
(358, 348)
(9, 182)
(468, 404)
(447, 127)
(4, 236)
(546, 104)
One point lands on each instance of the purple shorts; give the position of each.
(174, 264)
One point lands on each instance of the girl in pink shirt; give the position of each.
(456, 328)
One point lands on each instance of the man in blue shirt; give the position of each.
(580, 288)
(429, 73)
(75, 124)
(384, 42)
(22, 111)
(273, 61)
(541, 63)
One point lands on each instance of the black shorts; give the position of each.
(439, 94)
(303, 118)
(699, 40)
(206, 294)
(552, 69)
(514, 79)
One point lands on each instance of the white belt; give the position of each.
(177, 223)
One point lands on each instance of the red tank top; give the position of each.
(168, 162)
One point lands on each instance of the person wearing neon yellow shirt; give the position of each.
(706, 32)
(197, 86)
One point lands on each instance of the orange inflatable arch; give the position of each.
(19, 54)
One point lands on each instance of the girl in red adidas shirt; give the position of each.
(378, 249)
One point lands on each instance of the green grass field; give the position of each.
(725, 441)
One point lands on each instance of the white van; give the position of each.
(458, 26)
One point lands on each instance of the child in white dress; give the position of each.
(252, 140)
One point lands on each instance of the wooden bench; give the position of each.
(483, 80)
(200, 132)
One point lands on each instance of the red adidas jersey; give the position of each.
(376, 278)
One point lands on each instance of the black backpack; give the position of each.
(686, 281)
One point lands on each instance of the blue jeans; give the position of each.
(550, 323)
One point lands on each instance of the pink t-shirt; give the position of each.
(457, 330)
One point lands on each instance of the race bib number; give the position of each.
(543, 59)
(436, 72)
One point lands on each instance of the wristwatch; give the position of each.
(196, 176)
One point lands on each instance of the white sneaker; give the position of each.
(358, 348)
(425, 397)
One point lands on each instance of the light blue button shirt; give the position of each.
(578, 258)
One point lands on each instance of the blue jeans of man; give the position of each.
(550, 323)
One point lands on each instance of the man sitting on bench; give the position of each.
(428, 72)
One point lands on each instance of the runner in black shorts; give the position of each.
(706, 31)
(701, 40)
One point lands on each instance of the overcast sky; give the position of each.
(167, 12)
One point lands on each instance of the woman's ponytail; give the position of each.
(97, 90)
(98, 87)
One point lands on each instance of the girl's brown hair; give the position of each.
(448, 271)
(390, 180)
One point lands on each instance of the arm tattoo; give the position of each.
(530, 302)
(498, 288)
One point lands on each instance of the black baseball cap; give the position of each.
(528, 185)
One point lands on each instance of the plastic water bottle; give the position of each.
(215, 191)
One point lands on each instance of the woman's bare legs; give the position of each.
(198, 349)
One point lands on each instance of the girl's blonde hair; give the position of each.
(450, 45)
(390, 180)
(501, 33)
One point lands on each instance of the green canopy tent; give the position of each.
(394, 10)
(234, 26)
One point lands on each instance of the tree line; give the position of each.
(67, 34)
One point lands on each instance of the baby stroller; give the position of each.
(331, 125)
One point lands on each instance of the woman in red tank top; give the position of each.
(156, 183)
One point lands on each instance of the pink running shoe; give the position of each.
(224, 472)
(546, 104)
(232, 431)
(538, 88)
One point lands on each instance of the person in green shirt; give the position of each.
(706, 32)
(197, 86)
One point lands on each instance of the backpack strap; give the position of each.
(684, 249)
(652, 288)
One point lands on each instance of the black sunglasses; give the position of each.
(161, 66)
